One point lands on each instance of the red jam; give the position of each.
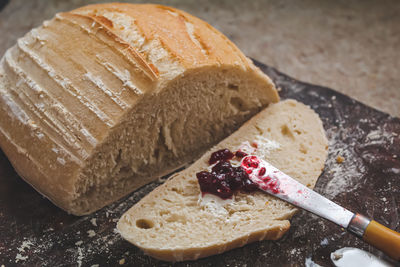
(224, 179)
(240, 154)
(223, 154)
(251, 162)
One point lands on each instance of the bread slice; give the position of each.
(101, 100)
(176, 223)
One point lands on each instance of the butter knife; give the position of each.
(273, 181)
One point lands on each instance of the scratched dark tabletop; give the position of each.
(33, 232)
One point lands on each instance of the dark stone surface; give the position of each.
(368, 181)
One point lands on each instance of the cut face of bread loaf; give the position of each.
(103, 99)
(176, 223)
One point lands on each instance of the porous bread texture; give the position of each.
(166, 131)
(175, 223)
(101, 100)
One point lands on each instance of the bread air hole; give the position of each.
(144, 224)
(180, 218)
(233, 87)
(303, 149)
(238, 103)
(260, 131)
(286, 131)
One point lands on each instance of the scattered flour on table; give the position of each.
(324, 242)
(26, 244)
(343, 175)
(358, 152)
(91, 233)
(84, 244)
(19, 258)
(80, 257)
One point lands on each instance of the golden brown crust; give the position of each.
(191, 254)
(28, 167)
(105, 23)
(169, 26)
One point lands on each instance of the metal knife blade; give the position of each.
(281, 185)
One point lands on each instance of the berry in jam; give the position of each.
(261, 172)
(251, 162)
(257, 173)
(240, 154)
(224, 179)
(223, 154)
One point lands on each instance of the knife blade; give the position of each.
(275, 182)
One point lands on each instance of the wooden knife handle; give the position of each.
(383, 239)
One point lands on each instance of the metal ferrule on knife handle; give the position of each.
(374, 233)
(358, 224)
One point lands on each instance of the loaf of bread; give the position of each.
(101, 100)
(175, 222)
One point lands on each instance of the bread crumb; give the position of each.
(337, 256)
(93, 221)
(266, 203)
(340, 159)
(95, 265)
(121, 261)
(3, 265)
(91, 233)
(78, 243)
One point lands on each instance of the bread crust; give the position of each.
(168, 23)
(191, 254)
(57, 111)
